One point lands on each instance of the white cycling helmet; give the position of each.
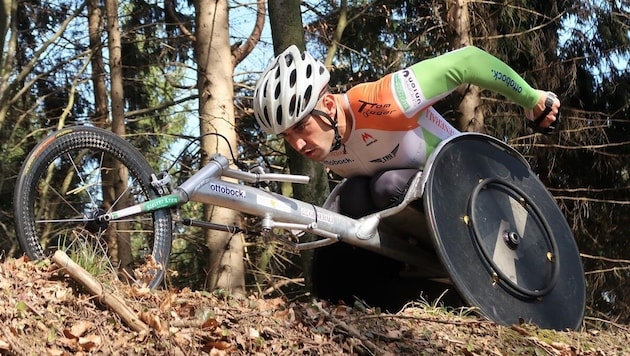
(288, 90)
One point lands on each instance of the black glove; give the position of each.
(535, 124)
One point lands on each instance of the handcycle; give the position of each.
(476, 216)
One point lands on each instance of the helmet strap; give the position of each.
(333, 123)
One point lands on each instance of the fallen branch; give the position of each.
(96, 289)
(352, 331)
(282, 283)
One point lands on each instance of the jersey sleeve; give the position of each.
(440, 75)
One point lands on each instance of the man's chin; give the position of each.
(316, 155)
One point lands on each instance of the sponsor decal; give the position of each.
(309, 213)
(162, 202)
(375, 109)
(337, 162)
(238, 193)
(399, 93)
(509, 82)
(387, 157)
(412, 86)
(407, 90)
(440, 123)
(272, 203)
(368, 139)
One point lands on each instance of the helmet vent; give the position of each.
(292, 106)
(293, 78)
(276, 93)
(307, 94)
(279, 115)
(288, 59)
(309, 71)
(266, 114)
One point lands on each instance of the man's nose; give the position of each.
(296, 142)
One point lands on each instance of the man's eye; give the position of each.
(301, 126)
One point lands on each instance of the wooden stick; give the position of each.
(112, 301)
(372, 347)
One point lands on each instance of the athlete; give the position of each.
(379, 134)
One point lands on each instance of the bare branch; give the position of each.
(239, 53)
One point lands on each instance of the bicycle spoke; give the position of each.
(83, 187)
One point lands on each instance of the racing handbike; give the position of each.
(475, 216)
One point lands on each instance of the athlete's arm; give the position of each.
(440, 75)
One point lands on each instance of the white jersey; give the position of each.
(394, 125)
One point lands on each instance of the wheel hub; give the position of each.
(95, 224)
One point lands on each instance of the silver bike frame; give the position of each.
(209, 186)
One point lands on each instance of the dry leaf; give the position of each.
(66, 342)
(165, 306)
(53, 352)
(211, 323)
(318, 339)
(394, 334)
(252, 333)
(138, 292)
(340, 311)
(61, 294)
(217, 352)
(560, 345)
(90, 342)
(286, 315)
(78, 329)
(218, 345)
(183, 338)
(4, 345)
(154, 322)
(270, 304)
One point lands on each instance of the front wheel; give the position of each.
(76, 175)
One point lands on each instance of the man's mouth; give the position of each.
(309, 152)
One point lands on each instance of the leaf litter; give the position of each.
(44, 312)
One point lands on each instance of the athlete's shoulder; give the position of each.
(371, 90)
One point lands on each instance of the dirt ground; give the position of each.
(45, 312)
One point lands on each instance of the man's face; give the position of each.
(311, 137)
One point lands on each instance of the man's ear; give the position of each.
(328, 101)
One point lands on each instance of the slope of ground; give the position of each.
(44, 312)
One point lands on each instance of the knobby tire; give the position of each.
(81, 172)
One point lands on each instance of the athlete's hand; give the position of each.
(545, 116)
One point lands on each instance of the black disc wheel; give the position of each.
(501, 236)
(76, 175)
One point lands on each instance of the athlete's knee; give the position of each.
(388, 187)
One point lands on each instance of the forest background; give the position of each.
(145, 70)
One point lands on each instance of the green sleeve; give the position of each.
(441, 75)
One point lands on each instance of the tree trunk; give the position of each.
(95, 22)
(119, 245)
(286, 29)
(285, 19)
(8, 9)
(469, 116)
(225, 266)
